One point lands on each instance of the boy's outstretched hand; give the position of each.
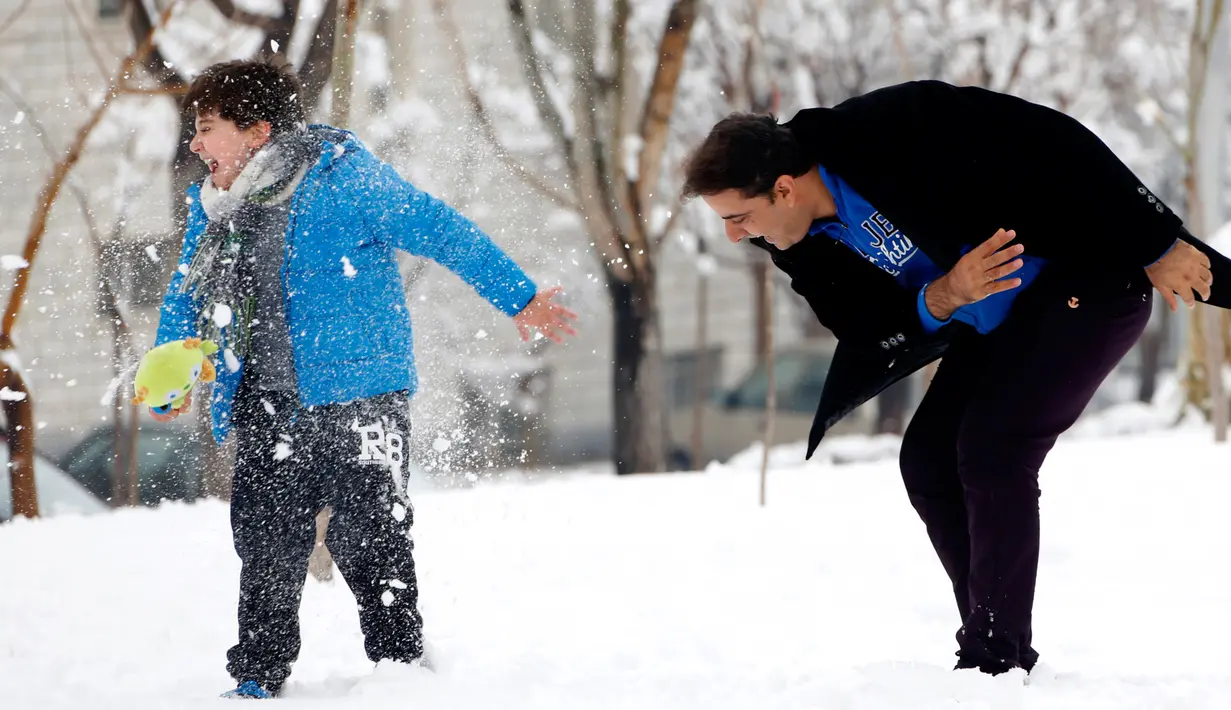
(548, 318)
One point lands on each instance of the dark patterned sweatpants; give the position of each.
(290, 463)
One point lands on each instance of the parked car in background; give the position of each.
(58, 493)
(168, 463)
(734, 419)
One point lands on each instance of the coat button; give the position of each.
(885, 344)
(901, 338)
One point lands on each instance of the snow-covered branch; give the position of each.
(660, 101)
(483, 117)
(234, 13)
(532, 67)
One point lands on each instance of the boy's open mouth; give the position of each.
(212, 165)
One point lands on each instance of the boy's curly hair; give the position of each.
(247, 91)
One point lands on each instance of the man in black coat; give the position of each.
(925, 220)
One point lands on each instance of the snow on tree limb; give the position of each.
(482, 116)
(141, 23)
(660, 101)
(532, 67)
(617, 93)
(234, 13)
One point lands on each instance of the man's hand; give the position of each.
(976, 276)
(546, 317)
(172, 414)
(1183, 270)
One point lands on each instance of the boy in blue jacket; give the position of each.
(288, 263)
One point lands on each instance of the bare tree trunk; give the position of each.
(1206, 129)
(318, 66)
(134, 477)
(1207, 347)
(344, 62)
(640, 432)
(19, 417)
(762, 280)
(119, 429)
(1214, 360)
(399, 35)
(891, 408)
(771, 395)
(1152, 342)
(700, 392)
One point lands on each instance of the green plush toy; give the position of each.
(168, 372)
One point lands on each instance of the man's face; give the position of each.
(783, 222)
(224, 147)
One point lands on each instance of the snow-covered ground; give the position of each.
(674, 591)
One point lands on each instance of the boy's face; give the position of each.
(226, 148)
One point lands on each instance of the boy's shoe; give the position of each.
(250, 689)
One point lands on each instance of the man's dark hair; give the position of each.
(746, 152)
(247, 91)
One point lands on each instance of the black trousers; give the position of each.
(290, 463)
(971, 455)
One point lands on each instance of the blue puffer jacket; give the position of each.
(350, 328)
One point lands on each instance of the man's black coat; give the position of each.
(949, 166)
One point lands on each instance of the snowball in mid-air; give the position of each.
(222, 315)
(13, 262)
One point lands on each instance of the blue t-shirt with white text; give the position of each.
(865, 230)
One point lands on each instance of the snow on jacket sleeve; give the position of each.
(416, 222)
